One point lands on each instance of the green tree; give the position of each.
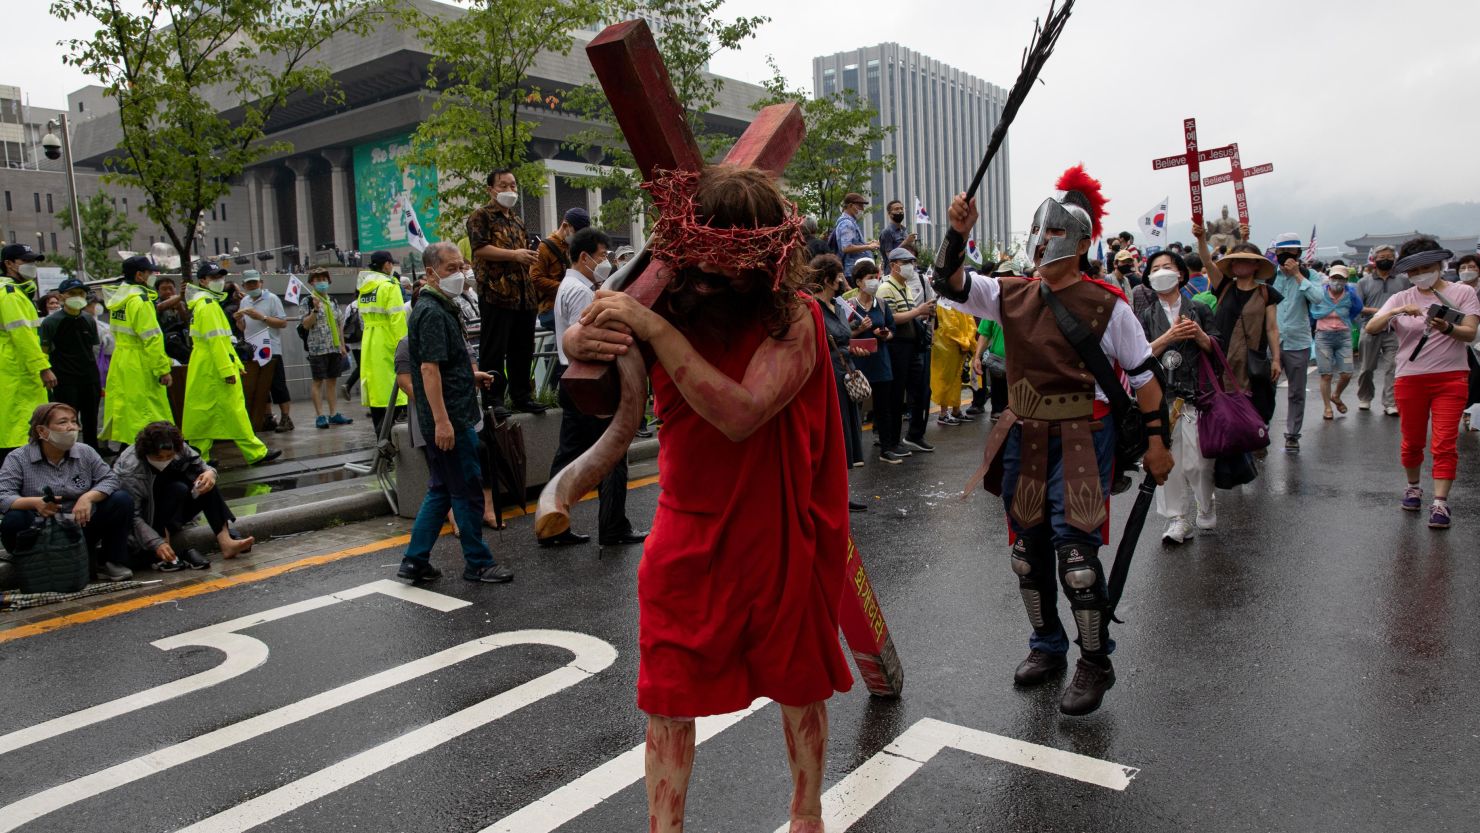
(105, 229)
(688, 37)
(483, 118)
(836, 156)
(196, 83)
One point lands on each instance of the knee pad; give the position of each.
(1082, 576)
(1020, 563)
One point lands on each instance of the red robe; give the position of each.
(742, 574)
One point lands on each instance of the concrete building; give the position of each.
(338, 186)
(942, 119)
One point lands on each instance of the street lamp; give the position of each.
(62, 148)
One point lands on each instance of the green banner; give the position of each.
(383, 192)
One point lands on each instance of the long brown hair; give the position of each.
(732, 197)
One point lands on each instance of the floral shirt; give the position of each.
(501, 283)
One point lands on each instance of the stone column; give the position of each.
(593, 203)
(549, 213)
(267, 197)
(339, 184)
(254, 213)
(301, 166)
(638, 232)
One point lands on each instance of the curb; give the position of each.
(307, 517)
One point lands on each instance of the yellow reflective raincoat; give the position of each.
(383, 311)
(133, 396)
(214, 408)
(21, 363)
(955, 340)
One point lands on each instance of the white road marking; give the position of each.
(592, 655)
(243, 653)
(584, 793)
(863, 788)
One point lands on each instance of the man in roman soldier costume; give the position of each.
(1051, 455)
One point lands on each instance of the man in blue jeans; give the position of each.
(447, 399)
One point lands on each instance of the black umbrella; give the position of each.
(1132, 534)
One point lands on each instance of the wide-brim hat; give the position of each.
(1264, 273)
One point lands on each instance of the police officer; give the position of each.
(140, 370)
(70, 338)
(382, 307)
(214, 406)
(25, 371)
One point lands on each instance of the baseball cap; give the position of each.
(1123, 254)
(70, 284)
(20, 251)
(578, 218)
(1339, 272)
(624, 251)
(138, 263)
(1007, 267)
(209, 269)
(251, 276)
(901, 253)
(381, 258)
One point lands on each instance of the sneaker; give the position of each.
(272, 454)
(947, 419)
(1413, 498)
(114, 572)
(1439, 515)
(918, 445)
(975, 410)
(902, 451)
(1390, 411)
(169, 566)
(1178, 531)
(417, 571)
(492, 574)
(193, 559)
(1087, 691)
(965, 416)
(1364, 404)
(1037, 667)
(284, 425)
(340, 419)
(855, 506)
(321, 422)
(1207, 521)
(1292, 445)
(858, 464)
(891, 458)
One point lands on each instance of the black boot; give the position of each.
(1038, 667)
(1085, 693)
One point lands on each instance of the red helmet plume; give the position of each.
(1075, 180)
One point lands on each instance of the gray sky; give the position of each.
(1367, 109)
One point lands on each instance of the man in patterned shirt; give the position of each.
(506, 294)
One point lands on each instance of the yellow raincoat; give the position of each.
(133, 396)
(955, 340)
(21, 363)
(215, 409)
(383, 311)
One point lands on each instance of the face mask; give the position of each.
(1469, 276)
(1164, 280)
(871, 285)
(61, 439)
(75, 304)
(1125, 268)
(1338, 287)
(468, 279)
(321, 287)
(907, 271)
(151, 280)
(898, 218)
(1426, 280)
(217, 287)
(452, 285)
(254, 294)
(1385, 264)
(160, 465)
(602, 271)
(507, 199)
(28, 271)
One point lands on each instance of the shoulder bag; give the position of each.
(1227, 423)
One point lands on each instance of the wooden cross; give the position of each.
(1192, 159)
(1237, 177)
(632, 74)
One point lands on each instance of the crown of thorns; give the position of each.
(682, 239)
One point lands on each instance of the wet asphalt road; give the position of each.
(1307, 668)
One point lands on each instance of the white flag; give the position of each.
(414, 236)
(922, 217)
(1154, 223)
(296, 290)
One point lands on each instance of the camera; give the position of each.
(1446, 313)
(51, 146)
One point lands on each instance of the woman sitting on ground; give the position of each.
(171, 485)
(82, 483)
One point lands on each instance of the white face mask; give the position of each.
(75, 303)
(870, 285)
(1425, 280)
(217, 286)
(907, 271)
(28, 271)
(602, 271)
(159, 465)
(62, 439)
(1469, 276)
(507, 199)
(452, 285)
(468, 279)
(1164, 280)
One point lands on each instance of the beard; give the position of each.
(709, 305)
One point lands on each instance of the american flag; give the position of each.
(1310, 253)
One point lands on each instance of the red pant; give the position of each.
(1442, 397)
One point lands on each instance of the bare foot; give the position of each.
(233, 547)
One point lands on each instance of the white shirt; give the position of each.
(1173, 310)
(270, 306)
(576, 292)
(1124, 342)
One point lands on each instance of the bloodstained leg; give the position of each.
(806, 751)
(669, 762)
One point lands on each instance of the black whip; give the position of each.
(952, 252)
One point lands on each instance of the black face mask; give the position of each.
(1385, 264)
(1125, 267)
(1284, 256)
(898, 218)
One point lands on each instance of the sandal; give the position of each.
(1327, 414)
(497, 527)
(1340, 406)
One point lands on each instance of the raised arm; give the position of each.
(1215, 275)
